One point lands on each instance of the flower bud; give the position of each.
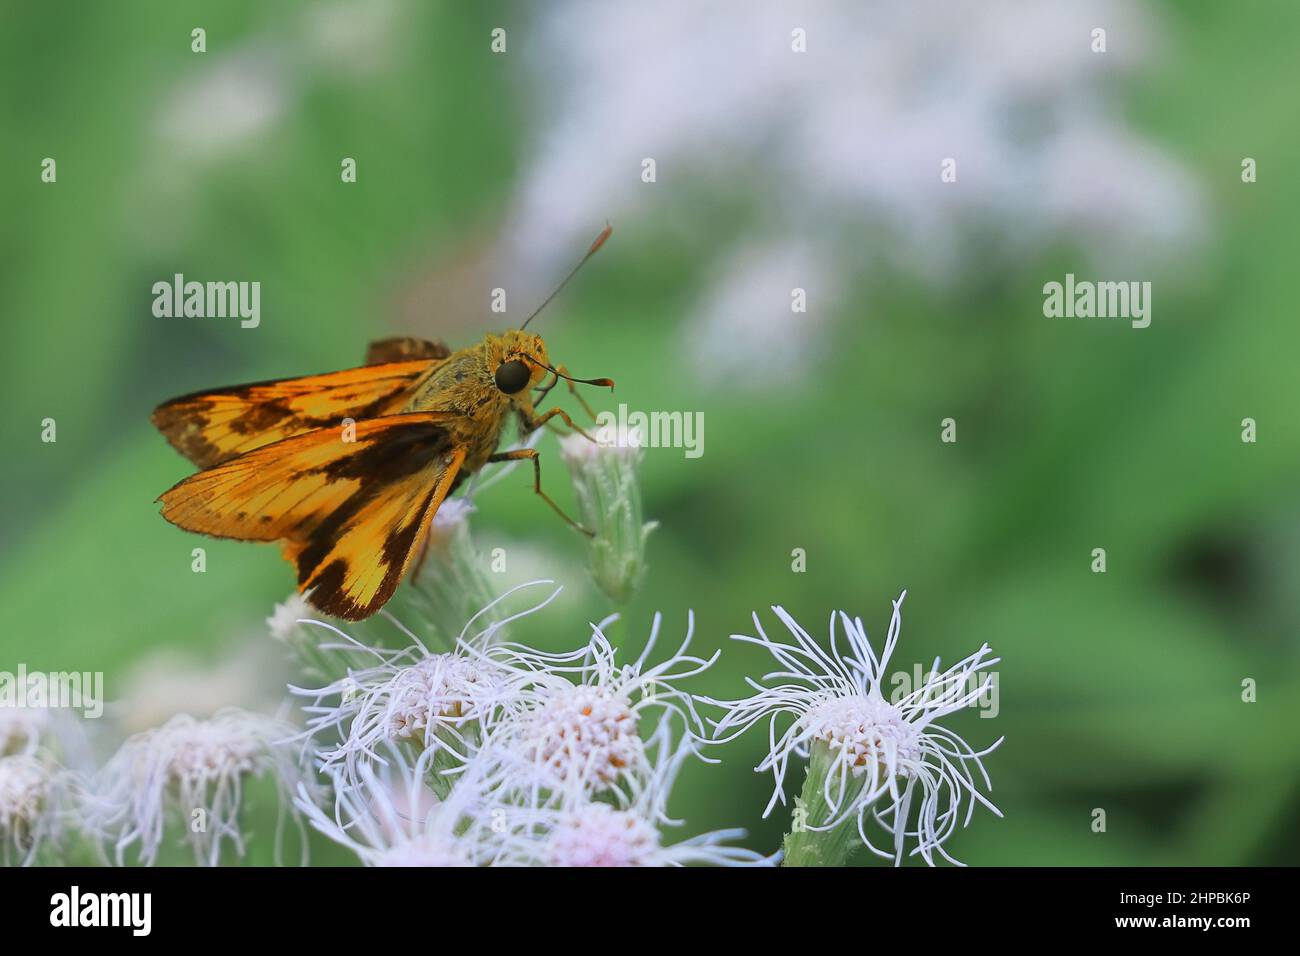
(604, 474)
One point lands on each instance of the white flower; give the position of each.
(874, 748)
(30, 807)
(452, 515)
(27, 727)
(578, 718)
(582, 731)
(596, 834)
(394, 819)
(839, 153)
(21, 729)
(442, 703)
(193, 773)
(583, 832)
(286, 622)
(744, 330)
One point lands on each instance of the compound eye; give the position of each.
(512, 377)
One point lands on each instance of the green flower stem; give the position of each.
(806, 847)
(439, 781)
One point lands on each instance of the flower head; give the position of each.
(579, 831)
(191, 772)
(499, 754)
(579, 713)
(829, 706)
(441, 703)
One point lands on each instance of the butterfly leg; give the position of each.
(520, 454)
(536, 423)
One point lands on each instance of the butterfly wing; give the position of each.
(402, 348)
(350, 514)
(213, 427)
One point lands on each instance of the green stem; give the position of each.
(806, 847)
(438, 779)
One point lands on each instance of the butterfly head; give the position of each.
(519, 363)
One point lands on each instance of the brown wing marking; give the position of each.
(350, 513)
(336, 582)
(213, 427)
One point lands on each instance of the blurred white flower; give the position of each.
(21, 729)
(169, 680)
(829, 705)
(226, 102)
(286, 622)
(357, 36)
(844, 143)
(27, 729)
(238, 93)
(244, 96)
(746, 323)
(578, 715)
(393, 819)
(192, 774)
(610, 439)
(31, 791)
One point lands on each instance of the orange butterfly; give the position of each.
(347, 469)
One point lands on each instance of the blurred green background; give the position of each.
(1119, 690)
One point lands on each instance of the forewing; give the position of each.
(351, 514)
(213, 427)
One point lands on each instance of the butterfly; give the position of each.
(347, 469)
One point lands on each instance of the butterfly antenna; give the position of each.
(602, 382)
(595, 246)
